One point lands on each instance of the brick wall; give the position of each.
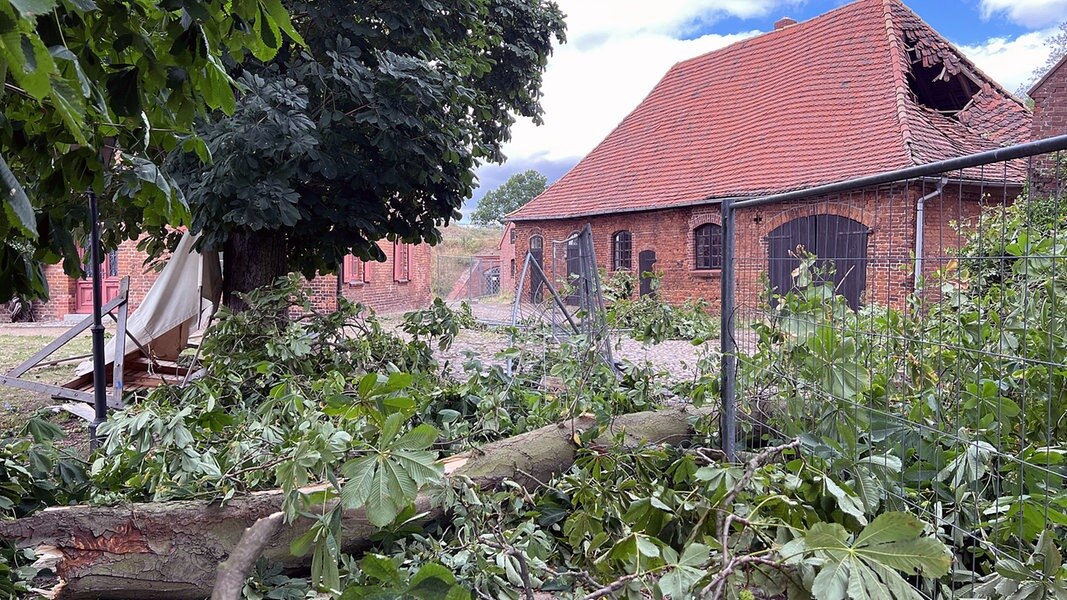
(1050, 104)
(888, 212)
(381, 292)
(63, 289)
(1050, 119)
(510, 264)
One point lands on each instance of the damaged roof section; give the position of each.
(935, 87)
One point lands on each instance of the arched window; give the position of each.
(537, 244)
(708, 243)
(622, 250)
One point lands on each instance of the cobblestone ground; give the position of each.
(677, 357)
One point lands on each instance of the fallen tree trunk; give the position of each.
(173, 549)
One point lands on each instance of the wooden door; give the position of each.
(537, 255)
(109, 284)
(646, 261)
(839, 243)
(574, 268)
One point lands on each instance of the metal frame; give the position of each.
(119, 304)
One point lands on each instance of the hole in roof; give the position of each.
(935, 88)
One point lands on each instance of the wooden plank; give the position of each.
(167, 367)
(79, 410)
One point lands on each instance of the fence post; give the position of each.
(728, 418)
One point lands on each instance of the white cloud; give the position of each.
(595, 20)
(587, 92)
(1011, 61)
(616, 52)
(1031, 13)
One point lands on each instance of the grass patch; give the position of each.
(16, 406)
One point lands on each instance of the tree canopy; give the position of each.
(370, 131)
(81, 75)
(512, 195)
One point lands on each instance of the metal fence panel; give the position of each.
(910, 328)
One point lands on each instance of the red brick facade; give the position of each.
(1050, 119)
(889, 213)
(1050, 102)
(383, 288)
(63, 290)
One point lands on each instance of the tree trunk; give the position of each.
(251, 260)
(173, 549)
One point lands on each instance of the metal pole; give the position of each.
(99, 379)
(728, 421)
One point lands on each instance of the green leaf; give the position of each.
(867, 566)
(71, 107)
(17, 205)
(281, 18)
(302, 544)
(419, 438)
(390, 429)
(380, 568)
(695, 555)
(831, 583)
(433, 570)
(31, 63)
(679, 582)
(32, 8)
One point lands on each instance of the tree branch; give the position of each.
(235, 569)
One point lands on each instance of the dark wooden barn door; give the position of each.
(574, 265)
(646, 261)
(537, 255)
(838, 242)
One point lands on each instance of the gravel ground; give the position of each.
(677, 357)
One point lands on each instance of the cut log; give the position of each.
(173, 549)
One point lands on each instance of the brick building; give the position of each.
(863, 89)
(390, 286)
(1050, 119)
(1050, 102)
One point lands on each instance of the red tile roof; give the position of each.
(817, 102)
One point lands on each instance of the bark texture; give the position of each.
(173, 549)
(251, 260)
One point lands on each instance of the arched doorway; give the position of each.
(837, 241)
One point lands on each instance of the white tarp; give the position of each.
(179, 303)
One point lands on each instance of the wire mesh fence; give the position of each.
(564, 295)
(911, 329)
(459, 278)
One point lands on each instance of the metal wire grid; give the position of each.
(951, 364)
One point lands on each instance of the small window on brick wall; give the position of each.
(622, 250)
(354, 270)
(708, 242)
(401, 262)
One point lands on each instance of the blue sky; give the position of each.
(618, 49)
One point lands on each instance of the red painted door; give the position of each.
(83, 292)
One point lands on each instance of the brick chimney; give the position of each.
(783, 23)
